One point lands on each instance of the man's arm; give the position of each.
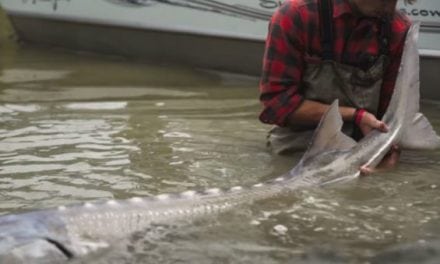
(283, 64)
(309, 113)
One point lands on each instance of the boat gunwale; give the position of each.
(136, 26)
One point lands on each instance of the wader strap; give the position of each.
(385, 33)
(326, 17)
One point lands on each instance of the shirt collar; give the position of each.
(341, 7)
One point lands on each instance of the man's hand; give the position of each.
(388, 162)
(368, 122)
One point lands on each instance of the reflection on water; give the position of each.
(84, 93)
(79, 128)
(30, 75)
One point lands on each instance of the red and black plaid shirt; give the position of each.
(295, 31)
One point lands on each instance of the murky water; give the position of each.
(76, 127)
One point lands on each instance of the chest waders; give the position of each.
(327, 80)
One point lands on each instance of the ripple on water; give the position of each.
(19, 108)
(61, 156)
(97, 106)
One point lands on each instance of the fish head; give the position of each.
(25, 239)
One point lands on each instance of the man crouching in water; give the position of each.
(321, 50)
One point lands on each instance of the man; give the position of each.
(321, 50)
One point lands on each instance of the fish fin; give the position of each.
(407, 83)
(419, 134)
(328, 134)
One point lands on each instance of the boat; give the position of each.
(226, 35)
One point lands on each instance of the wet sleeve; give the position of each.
(282, 66)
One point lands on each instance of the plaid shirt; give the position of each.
(294, 31)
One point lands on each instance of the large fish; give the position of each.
(68, 232)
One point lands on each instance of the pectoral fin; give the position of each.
(328, 135)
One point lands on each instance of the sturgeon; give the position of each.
(74, 231)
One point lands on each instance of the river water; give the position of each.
(78, 127)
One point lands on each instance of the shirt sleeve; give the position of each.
(283, 65)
